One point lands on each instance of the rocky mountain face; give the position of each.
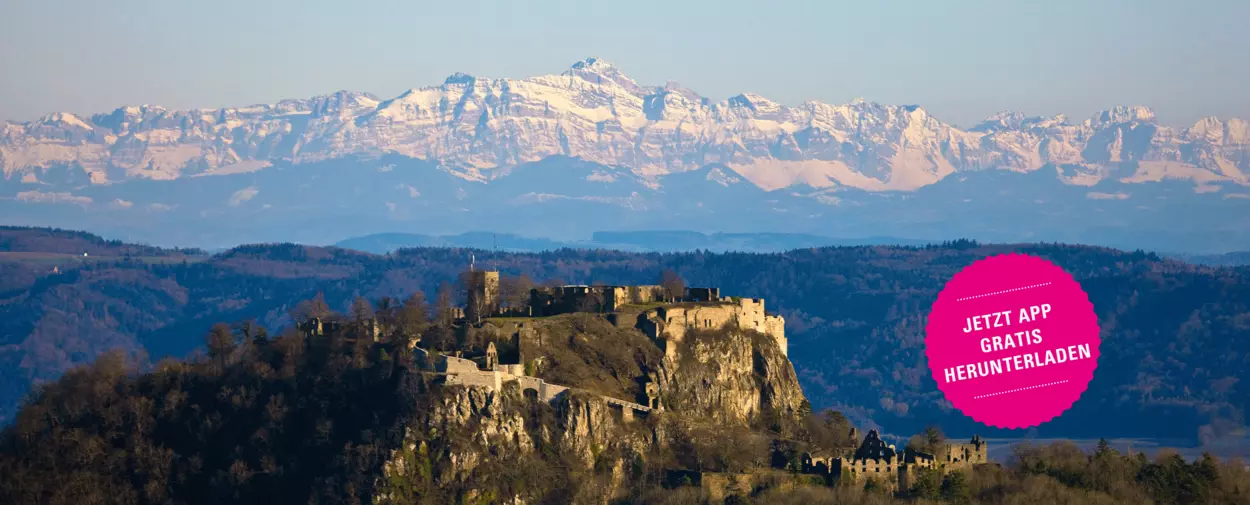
(480, 127)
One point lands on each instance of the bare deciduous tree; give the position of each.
(414, 316)
(476, 307)
(386, 311)
(674, 286)
(444, 303)
(593, 302)
(308, 309)
(361, 309)
(515, 293)
(928, 441)
(220, 343)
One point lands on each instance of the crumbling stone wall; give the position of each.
(552, 301)
(894, 470)
(958, 456)
(463, 372)
(670, 323)
(452, 364)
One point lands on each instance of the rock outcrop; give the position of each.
(732, 377)
(475, 439)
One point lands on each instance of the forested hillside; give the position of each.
(20, 239)
(1175, 358)
(329, 420)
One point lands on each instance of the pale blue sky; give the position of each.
(961, 60)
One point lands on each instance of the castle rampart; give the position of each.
(698, 309)
(670, 323)
(565, 299)
(463, 372)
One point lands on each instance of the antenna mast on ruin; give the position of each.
(494, 252)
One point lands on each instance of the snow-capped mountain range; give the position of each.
(479, 127)
(589, 149)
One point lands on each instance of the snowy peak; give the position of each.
(598, 71)
(1005, 120)
(1213, 130)
(593, 64)
(346, 103)
(458, 78)
(754, 103)
(1123, 114)
(63, 120)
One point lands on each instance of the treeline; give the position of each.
(58, 241)
(1174, 343)
(253, 420)
(1052, 474)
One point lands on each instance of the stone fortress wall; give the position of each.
(557, 300)
(879, 461)
(670, 323)
(697, 309)
(465, 372)
(663, 318)
(972, 453)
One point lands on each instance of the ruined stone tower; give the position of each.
(492, 357)
(483, 295)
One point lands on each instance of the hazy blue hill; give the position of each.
(1228, 259)
(24, 239)
(382, 243)
(564, 199)
(673, 241)
(641, 241)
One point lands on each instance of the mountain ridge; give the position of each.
(633, 240)
(476, 127)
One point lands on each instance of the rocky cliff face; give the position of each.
(732, 377)
(498, 446)
(475, 126)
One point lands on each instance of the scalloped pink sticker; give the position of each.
(1012, 341)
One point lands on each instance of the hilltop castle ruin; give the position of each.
(876, 460)
(497, 360)
(662, 316)
(659, 313)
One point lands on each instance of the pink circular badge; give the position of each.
(1012, 341)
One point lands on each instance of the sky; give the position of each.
(962, 60)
